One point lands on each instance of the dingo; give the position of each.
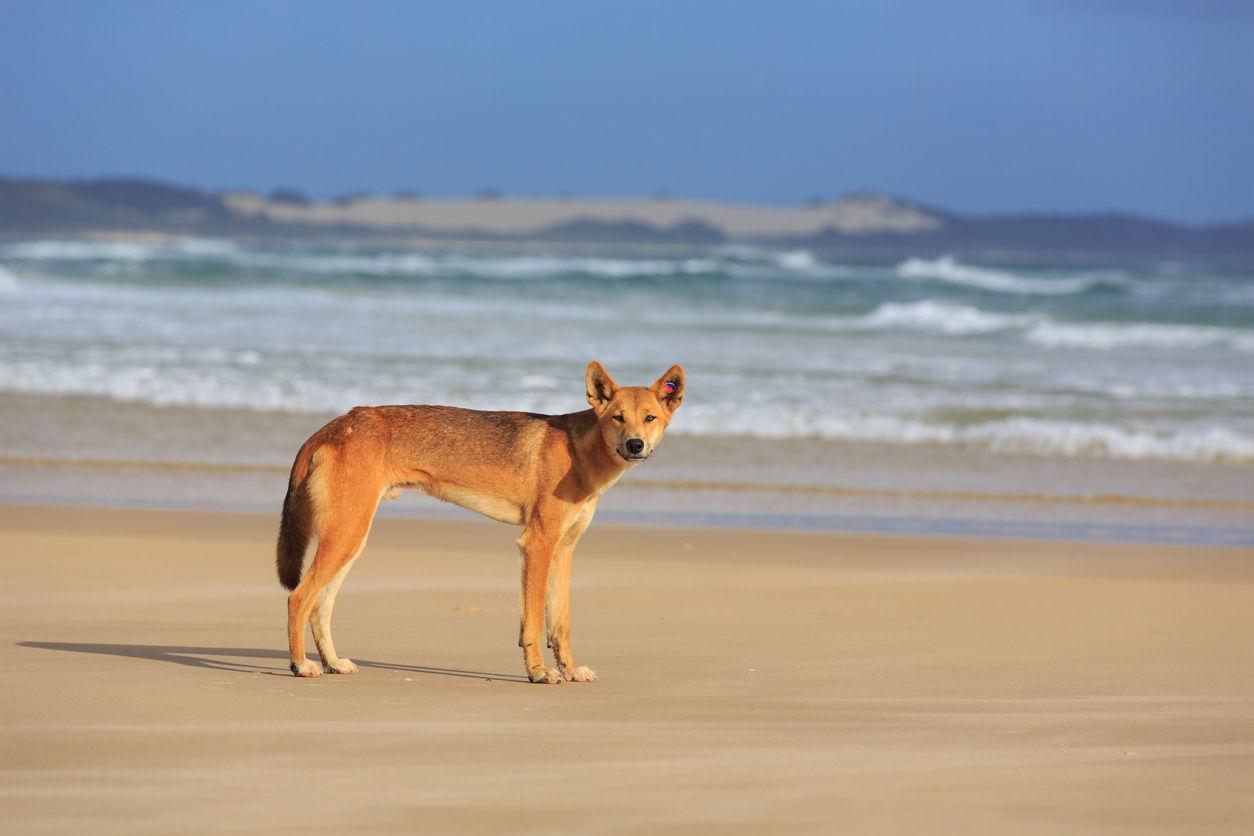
(543, 472)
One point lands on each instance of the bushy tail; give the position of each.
(296, 525)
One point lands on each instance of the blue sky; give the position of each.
(977, 107)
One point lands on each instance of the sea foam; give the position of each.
(123, 251)
(1019, 435)
(946, 269)
(777, 345)
(8, 281)
(1070, 438)
(1106, 336)
(944, 317)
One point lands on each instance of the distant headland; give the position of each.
(858, 224)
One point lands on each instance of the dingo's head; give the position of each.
(632, 418)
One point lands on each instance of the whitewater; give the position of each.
(1126, 361)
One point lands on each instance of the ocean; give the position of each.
(1033, 362)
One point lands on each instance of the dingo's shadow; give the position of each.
(209, 657)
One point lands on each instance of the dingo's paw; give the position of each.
(341, 666)
(307, 669)
(579, 674)
(544, 676)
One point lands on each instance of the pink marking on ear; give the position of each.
(670, 387)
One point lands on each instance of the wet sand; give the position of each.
(750, 682)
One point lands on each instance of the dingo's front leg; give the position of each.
(557, 604)
(536, 552)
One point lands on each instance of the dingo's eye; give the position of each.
(649, 418)
(620, 419)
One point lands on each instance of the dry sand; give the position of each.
(751, 682)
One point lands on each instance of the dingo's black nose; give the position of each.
(634, 446)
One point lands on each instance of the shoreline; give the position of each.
(74, 450)
(678, 485)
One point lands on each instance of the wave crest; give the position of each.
(944, 317)
(946, 269)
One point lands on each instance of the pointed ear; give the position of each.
(601, 387)
(669, 389)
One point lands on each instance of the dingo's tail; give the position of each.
(296, 525)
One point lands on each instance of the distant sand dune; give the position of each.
(857, 215)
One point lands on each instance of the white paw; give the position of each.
(340, 666)
(307, 669)
(545, 676)
(579, 674)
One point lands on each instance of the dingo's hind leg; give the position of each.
(343, 539)
(320, 621)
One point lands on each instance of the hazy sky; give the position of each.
(978, 107)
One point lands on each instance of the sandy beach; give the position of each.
(750, 682)
(952, 536)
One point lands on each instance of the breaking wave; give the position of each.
(789, 345)
(1041, 330)
(944, 318)
(946, 269)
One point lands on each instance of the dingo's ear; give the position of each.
(669, 389)
(601, 387)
